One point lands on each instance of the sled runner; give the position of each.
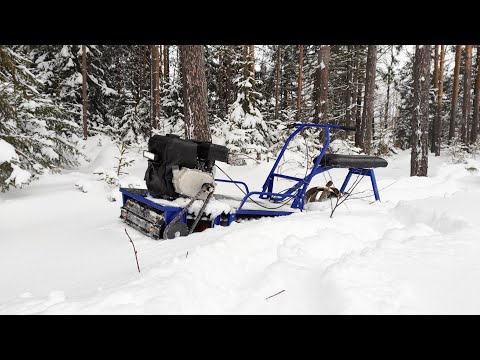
(180, 197)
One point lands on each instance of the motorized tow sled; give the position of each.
(180, 197)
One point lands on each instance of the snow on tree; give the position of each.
(172, 107)
(247, 131)
(33, 135)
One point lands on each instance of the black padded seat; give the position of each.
(352, 161)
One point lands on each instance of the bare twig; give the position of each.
(342, 199)
(274, 294)
(186, 255)
(138, 266)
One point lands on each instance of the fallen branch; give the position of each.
(138, 266)
(274, 294)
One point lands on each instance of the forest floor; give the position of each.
(65, 251)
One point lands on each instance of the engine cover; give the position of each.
(188, 182)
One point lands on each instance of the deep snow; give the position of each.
(63, 250)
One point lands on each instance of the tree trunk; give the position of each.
(389, 82)
(299, 92)
(421, 87)
(367, 114)
(192, 58)
(277, 81)
(348, 94)
(358, 118)
(474, 131)
(84, 91)
(435, 92)
(456, 76)
(322, 102)
(144, 48)
(160, 62)
(467, 84)
(228, 80)
(252, 61)
(245, 62)
(355, 93)
(438, 115)
(156, 86)
(166, 62)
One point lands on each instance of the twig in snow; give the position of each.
(341, 200)
(274, 294)
(186, 255)
(138, 266)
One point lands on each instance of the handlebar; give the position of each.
(326, 126)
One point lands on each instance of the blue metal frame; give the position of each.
(297, 191)
(302, 183)
(234, 182)
(364, 172)
(169, 211)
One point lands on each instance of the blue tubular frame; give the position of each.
(234, 182)
(302, 184)
(281, 196)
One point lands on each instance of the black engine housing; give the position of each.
(173, 151)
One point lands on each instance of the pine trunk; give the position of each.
(368, 110)
(467, 84)
(192, 58)
(456, 77)
(435, 91)
(438, 115)
(252, 61)
(358, 118)
(228, 81)
(277, 81)
(144, 78)
(421, 87)
(156, 87)
(166, 62)
(299, 89)
(348, 94)
(474, 131)
(84, 90)
(322, 102)
(245, 61)
(160, 62)
(389, 82)
(355, 96)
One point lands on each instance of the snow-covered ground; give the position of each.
(63, 250)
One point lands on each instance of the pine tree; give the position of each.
(368, 114)
(192, 59)
(404, 86)
(453, 113)
(247, 131)
(299, 91)
(33, 138)
(467, 80)
(84, 91)
(474, 131)
(421, 88)
(438, 114)
(323, 73)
